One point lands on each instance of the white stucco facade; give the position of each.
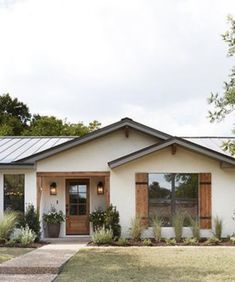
(94, 156)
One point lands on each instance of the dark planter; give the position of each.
(53, 230)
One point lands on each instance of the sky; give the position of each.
(155, 61)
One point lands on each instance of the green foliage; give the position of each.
(108, 218)
(15, 119)
(25, 236)
(178, 223)
(195, 228)
(102, 236)
(224, 105)
(31, 219)
(191, 241)
(232, 239)
(170, 241)
(157, 223)
(212, 241)
(53, 216)
(147, 242)
(122, 242)
(7, 224)
(136, 228)
(14, 115)
(112, 221)
(218, 223)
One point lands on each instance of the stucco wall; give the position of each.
(30, 187)
(223, 185)
(94, 155)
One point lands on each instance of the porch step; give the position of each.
(48, 259)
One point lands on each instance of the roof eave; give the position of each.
(178, 141)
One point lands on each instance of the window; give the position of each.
(173, 192)
(14, 192)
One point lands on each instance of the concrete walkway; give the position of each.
(42, 264)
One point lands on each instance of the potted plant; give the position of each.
(53, 220)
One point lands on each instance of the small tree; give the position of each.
(31, 219)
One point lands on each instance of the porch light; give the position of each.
(53, 189)
(100, 188)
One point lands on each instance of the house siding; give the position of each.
(223, 186)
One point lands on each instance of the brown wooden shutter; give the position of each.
(141, 184)
(205, 200)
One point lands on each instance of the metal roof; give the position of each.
(15, 148)
(213, 143)
(26, 150)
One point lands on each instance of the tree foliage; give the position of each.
(225, 104)
(16, 120)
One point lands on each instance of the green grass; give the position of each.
(9, 253)
(151, 264)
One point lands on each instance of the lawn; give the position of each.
(151, 264)
(9, 253)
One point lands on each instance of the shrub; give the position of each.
(178, 223)
(136, 228)
(191, 241)
(170, 241)
(109, 219)
(102, 236)
(147, 242)
(31, 219)
(27, 236)
(97, 218)
(157, 223)
(212, 241)
(218, 223)
(232, 239)
(195, 228)
(7, 224)
(122, 242)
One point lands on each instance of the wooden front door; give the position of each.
(77, 207)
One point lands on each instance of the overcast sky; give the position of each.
(154, 61)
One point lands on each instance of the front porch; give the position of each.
(76, 195)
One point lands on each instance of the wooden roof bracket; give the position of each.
(173, 149)
(126, 129)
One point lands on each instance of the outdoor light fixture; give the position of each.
(100, 188)
(53, 189)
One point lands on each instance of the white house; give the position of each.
(138, 169)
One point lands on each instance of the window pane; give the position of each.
(186, 193)
(73, 209)
(14, 192)
(172, 192)
(73, 198)
(82, 209)
(160, 196)
(73, 189)
(82, 188)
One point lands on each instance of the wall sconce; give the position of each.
(53, 189)
(100, 188)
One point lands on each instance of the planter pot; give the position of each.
(53, 230)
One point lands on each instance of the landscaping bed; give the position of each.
(168, 242)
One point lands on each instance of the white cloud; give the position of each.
(156, 61)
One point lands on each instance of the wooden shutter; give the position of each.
(205, 200)
(141, 184)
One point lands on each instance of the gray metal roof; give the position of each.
(213, 143)
(15, 148)
(20, 151)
